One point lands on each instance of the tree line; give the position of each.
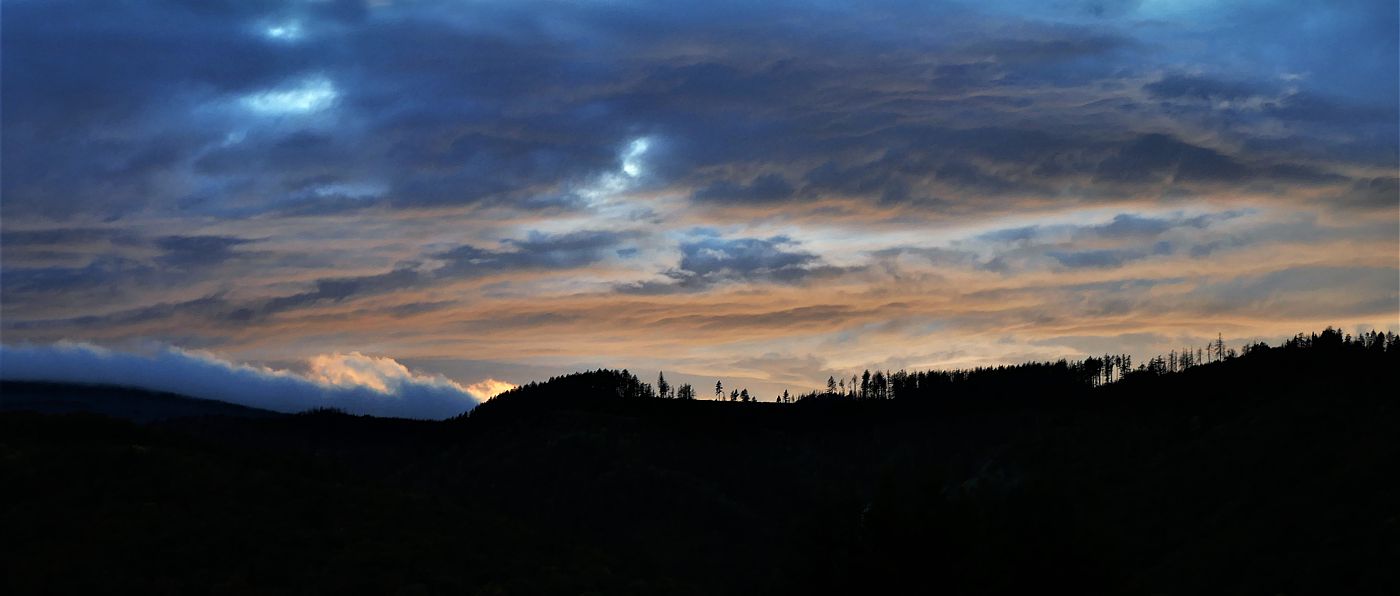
(1089, 372)
(1061, 375)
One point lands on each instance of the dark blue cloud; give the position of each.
(1379, 193)
(710, 260)
(198, 251)
(121, 116)
(1094, 259)
(184, 256)
(1177, 86)
(114, 107)
(398, 393)
(1155, 157)
(1126, 238)
(763, 189)
(536, 251)
(95, 267)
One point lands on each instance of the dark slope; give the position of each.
(1271, 473)
(127, 403)
(94, 505)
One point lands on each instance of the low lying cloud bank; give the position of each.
(352, 382)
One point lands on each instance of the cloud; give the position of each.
(1094, 258)
(530, 111)
(763, 189)
(1157, 157)
(784, 367)
(198, 251)
(281, 177)
(536, 251)
(489, 388)
(309, 95)
(352, 382)
(1177, 86)
(335, 289)
(1380, 193)
(183, 256)
(1125, 238)
(708, 261)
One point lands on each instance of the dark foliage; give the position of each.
(1268, 472)
(127, 403)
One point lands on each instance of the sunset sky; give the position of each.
(473, 194)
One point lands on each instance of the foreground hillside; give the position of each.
(1269, 473)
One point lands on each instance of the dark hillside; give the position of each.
(1272, 472)
(128, 403)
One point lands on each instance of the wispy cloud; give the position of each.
(649, 186)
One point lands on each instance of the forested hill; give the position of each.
(128, 403)
(1269, 472)
(1033, 383)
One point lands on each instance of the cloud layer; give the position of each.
(531, 187)
(354, 382)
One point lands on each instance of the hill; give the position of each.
(128, 403)
(1272, 472)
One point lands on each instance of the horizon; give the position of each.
(366, 385)
(408, 204)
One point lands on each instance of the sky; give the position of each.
(475, 194)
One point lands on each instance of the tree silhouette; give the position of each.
(662, 387)
(1030, 380)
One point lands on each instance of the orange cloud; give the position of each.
(489, 388)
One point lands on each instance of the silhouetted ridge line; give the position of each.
(1155, 483)
(1029, 381)
(131, 403)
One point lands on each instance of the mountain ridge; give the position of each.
(1271, 472)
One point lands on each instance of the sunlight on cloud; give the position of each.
(234, 137)
(632, 157)
(312, 94)
(313, 178)
(489, 388)
(284, 31)
(353, 382)
(379, 373)
(610, 184)
(350, 190)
